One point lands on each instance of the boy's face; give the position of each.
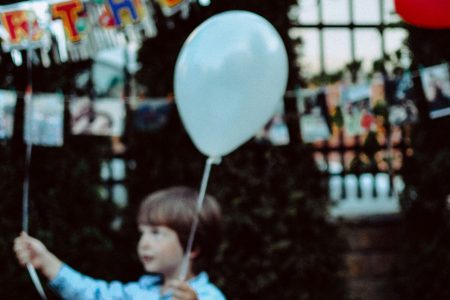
(160, 250)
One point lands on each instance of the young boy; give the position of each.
(164, 221)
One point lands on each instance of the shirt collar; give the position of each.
(155, 279)
(148, 281)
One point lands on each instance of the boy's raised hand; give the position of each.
(29, 250)
(33, 251)
(182, 291)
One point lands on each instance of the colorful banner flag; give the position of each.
(24, 25)
(72, 15)
(171, 7)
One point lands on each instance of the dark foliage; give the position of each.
(425, 261)
(66, 211)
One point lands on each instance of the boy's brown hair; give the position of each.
(175, 208)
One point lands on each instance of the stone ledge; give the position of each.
(370, 265)
(371, 289)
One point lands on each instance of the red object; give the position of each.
(433, 14)
(367, 120)
(106, 20)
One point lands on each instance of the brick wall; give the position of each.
(370, 260)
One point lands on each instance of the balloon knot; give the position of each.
(214, 160)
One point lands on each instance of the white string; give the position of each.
(201, 197)
(26, 200)
(35, 279)
(26, 183)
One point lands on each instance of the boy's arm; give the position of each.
(31, 250)
(65, 281)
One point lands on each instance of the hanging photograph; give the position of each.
(152, 114)
(44, 120)
(402, 100)
(355, 107)
(314, 119)
(276, 131)
(105, 116)
(375, 121)
(436, 86)
(7, 107)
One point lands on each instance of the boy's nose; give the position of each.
(144, 243)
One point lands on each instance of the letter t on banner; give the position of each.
(68, 12)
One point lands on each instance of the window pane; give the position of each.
(366, 11)
(368, 47)
(309, 12)
(394, 39)
(390, 16)
(335, 11)
(309, 51)
(337, 49)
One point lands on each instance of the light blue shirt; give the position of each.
(72, 285)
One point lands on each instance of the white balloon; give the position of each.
(229, 77)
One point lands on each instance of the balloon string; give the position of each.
(26, 183)
(35, 279)
(201, 197)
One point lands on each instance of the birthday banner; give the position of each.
(74, 29)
